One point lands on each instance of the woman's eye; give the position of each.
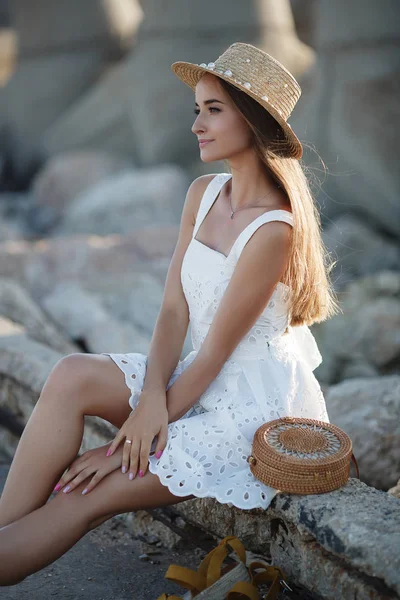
(196, 110)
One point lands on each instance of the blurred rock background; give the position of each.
(96, 155)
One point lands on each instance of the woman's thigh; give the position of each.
(93, 383)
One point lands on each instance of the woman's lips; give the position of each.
(201, 144)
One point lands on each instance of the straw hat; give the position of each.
(257, 74)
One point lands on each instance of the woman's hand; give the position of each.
(148, 420)
(90, 463)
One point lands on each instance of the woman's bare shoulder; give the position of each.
(196, 191)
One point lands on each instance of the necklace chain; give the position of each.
(247, 205)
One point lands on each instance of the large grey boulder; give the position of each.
(358, 248)
(128, 201)
(365, 339)
(342, 544)
(63, 49)
(349, 109)
(141, 108)
(18, 307)
(86, 320)
(64, 178)
(368, 410)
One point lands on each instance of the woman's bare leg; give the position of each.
(79, 384)
(39, 538)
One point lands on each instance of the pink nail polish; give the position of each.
(65, 490)
(58, 487)
(158, 454)
(140, 473)
(84, 492)
(131, 476)
(108, 452)
(123, 469)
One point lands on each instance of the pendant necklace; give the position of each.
(247, 205)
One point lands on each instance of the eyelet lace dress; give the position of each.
(269, 375)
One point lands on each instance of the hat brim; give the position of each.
(191, 73)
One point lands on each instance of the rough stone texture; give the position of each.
(368, 410)
(395, 491)
(365, 339)
(359, 249)
(356, 72)
(117, 113)
(338, 545)
(86, 320)
(64, 178)
(17, 306)
(118, 271)
(128, 201)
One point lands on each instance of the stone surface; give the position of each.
(368, 410)
(128, 201)
(86, 320)
(356, 71)
(17, 306)
(117, 113)
(64, 178)
(395, 490)
(359, 249)
(63, 49)
(365, 339)
(320, 541)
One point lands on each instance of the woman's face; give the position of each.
(218, 121)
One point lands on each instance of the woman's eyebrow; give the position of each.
(210, 101)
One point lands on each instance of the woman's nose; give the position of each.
(197, 126)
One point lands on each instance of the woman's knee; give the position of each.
(71, 376)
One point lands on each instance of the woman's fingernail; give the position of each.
(84, 491)
(123, 469)
(158, 454)
(58, 487)
(131, 476)
(140, 473)
(65, 490)
(108, 452)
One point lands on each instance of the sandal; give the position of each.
(270, 574)
(210, 581)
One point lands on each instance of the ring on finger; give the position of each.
(128, 441)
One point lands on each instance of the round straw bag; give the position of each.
(301, 456)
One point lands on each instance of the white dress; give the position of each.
(269, 375)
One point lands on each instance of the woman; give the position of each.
(250, 273)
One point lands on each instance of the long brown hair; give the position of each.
(312, 297)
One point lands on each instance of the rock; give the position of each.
(117, 113)
(355, 143)
(395, 491)
(359, 249)
(368, 410)
(128, 201)
(365, 339)
(142, 524)
(64, 178)
(87, 322)
(145, 302)
(17, 306)
(319, 540)
(62, 51)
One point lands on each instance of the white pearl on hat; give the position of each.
(228, 72)
(247, 85)
(264, 98)
(247, 60)
(203, 65)
(211, 65)
(285, 85)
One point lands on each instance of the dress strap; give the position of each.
(210, 194)
(267, 217)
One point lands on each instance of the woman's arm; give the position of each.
(173, 319)
(260, 267)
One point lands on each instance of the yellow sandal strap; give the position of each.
(210, 566)
(271, 573)
(243, 588)
(187, 578)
